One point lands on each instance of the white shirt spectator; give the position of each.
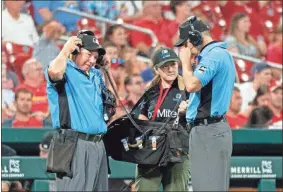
(21, 31)
(248, 94)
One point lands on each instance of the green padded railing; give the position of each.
(241, 168)
(245, 136)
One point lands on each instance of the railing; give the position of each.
(255, 60)
(105, 20)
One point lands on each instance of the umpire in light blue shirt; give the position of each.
(210, 84)
(74, 89)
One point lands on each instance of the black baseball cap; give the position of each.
(91, 43)
(46, 140)
(185, 27)
(164, 55)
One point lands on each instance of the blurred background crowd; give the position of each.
(33, 34)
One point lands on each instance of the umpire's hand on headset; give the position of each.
(71, 45)
(106, 62)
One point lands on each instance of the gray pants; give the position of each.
(90, 171)
(210, 156)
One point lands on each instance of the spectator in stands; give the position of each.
(262, 98)
(24, 117)
(7, 87)
(274, 53)
(107, 9)
(240, 41)
(117, 65)
(261, 76)
(153, 20)
(260, 117)
(130, 11)
(9, 73)
(234, 118)
(45, 144)
(134, 87)
(17, 27)
(46, 49)
(43, 12)
(182, 11)
(34, 81)
(117, 35)
(276, 104)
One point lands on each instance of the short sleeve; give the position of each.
(51, 82)
(205, 71)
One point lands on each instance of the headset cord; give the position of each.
(116, 94)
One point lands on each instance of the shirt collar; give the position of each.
(210, 46)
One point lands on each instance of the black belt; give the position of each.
(205, 121)
(83, 136)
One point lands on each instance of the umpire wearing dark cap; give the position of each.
(74, 90)
(210, 84)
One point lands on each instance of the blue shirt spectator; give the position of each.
(106, 9)
(67, 19)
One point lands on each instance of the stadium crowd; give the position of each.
(32, 37)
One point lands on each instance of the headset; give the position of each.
(195, 36)
(80, 35)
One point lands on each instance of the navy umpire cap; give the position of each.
(185, 27)
(164, 55)
(91, 43)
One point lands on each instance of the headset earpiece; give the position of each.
(195, 36)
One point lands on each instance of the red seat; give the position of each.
(243, 69)
(17, 55)
(89, 24)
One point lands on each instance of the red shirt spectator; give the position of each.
(276, 102)
(23, 117)
(158, 27)
(39, 99)
(235, 120)
(32, 122)
(34, 81)
(274, 51)
(154, 21)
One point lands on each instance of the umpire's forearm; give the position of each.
(57, 68)
(192, 84)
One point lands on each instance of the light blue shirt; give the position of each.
(216, 72)
(76, 101)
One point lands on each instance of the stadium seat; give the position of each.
(17, 55)
(89, 24)
(243, 69)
